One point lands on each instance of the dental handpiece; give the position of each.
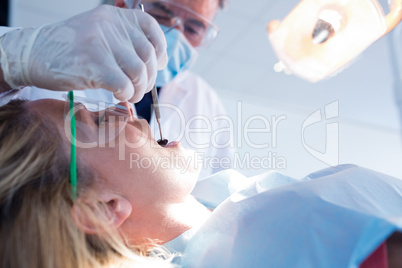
(162, 142)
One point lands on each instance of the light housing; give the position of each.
(319, 37)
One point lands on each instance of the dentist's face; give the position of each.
(205, 8)
(136, 167)
(194, 15)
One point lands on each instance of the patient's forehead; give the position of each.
(49, 108)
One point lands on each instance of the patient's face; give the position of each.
(136, 167)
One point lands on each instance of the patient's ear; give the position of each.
(109, 210)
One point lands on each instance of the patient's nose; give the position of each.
(129, 107)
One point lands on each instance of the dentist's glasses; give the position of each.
(97, 123)
(199, 31)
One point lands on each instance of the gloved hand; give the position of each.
(107, 47)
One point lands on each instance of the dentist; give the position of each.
(192, 112)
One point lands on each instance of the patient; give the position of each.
(122, 205)
(40, 224)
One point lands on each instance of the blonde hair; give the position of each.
(36, 224)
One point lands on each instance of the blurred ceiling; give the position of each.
(241, 60)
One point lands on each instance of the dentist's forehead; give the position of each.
(206, 8)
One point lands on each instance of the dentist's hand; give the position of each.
(107, 47)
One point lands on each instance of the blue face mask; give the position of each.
(180, 53)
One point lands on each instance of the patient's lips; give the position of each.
(172, 144)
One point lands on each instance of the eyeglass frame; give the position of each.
(73, 150)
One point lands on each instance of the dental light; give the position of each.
(319, 37)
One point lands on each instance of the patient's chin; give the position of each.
(192, 161)
(188, 165)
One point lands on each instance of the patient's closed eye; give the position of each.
(99, 118)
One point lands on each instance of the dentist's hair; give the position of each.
(37, 226)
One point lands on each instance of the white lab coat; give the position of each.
(191, 113)
(4, 29)
(333, 218)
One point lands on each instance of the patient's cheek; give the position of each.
(135, 136)
(133, 141)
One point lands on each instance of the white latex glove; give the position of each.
(112, 48)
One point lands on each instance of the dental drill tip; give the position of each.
(157, 112)
(160, 129)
